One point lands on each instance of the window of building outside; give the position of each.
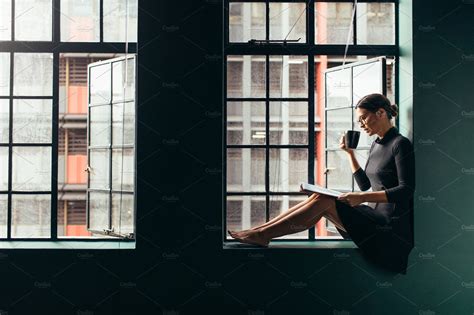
(46, 49)
(275, 101)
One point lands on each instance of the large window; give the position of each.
(46, 48)
(278, 130)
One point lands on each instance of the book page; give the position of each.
(320, 190)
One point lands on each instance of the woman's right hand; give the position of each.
(342, 145)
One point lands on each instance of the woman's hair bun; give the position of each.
(394, 110)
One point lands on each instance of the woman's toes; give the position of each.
(255, 238)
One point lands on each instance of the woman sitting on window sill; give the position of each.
(383, 229)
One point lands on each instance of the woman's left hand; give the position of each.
(352, 198)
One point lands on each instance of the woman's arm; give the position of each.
(356, 198)
(405, 164)
(359, 174)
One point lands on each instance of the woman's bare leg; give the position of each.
(299, 220)
(333, 216)
(277, 218)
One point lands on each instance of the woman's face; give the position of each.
(368, 121)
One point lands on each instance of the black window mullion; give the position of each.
(310, 23)
(54, 151)
(101, 23)
(110, 144)
(354, 25)
(224, 140)
(311, 127)
(311, 118)
(267, 131)
(325, 133)
(65, 47)
(10, 147)
(56, 21)
(88, 142)
(226, 25)
(396, 60)
(13, 20)
(271, 99)
(303, 49)
(267, 20)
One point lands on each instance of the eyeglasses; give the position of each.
(363, 120)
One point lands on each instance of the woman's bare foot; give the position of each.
(240, 233)
(251, 237)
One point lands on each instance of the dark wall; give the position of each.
(179, 266)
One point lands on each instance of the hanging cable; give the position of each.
(297, 20)
(351, 27)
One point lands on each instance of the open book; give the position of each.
(320, 190)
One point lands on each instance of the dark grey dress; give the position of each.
(384, 231)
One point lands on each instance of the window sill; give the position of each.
(294, 245)
(66, 245)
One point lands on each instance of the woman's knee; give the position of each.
(327, 203)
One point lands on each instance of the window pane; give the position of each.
(288, 123)
(116, 28)
(339, 176)
(6, 20)
(245, 170)
(32, 121)
(73, 90)
(288, 168)
(375, 23)
(33, 20)
(4, 121)
(3, 215)
(3, 168)
(247, 21)
(31, 169)
(100, 80)
(99, 120)
(123, 125)
(123, 80)
(333, 22)
(33, 74)
(99, 172)
(246, 123)
(72, 218)
(80, 21)
(246, 76)
(122, 213)
(281, 204)
(289, 76)
(337, 122)
(99, 211)
(31, 216)
(4, 74)
(338, 88)
(367, 79)
(123, 169)
(288, 21)
(244, 212)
